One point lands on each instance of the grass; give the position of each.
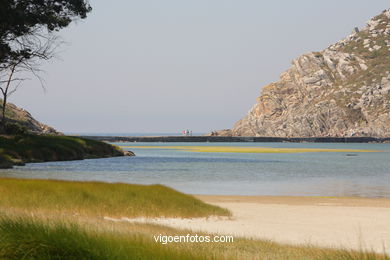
(41, 148)
(234, 149)
(95, 199)
(41, 219)
(31, 238)
(23, 238)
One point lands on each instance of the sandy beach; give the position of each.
(351, 223)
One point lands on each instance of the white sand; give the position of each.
(340, 223)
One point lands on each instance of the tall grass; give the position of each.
(62, 220)
(101, 199)
(27, 238)
(23, 238)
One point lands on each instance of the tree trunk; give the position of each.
(3, 119)
(4, 91)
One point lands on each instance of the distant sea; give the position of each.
(128, 134)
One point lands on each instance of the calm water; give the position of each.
(131, 134)
(304, 174)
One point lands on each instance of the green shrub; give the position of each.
(15, 129)
(42, 148)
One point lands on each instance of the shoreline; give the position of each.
(328, 222)
(17, 150)
(351, 223)
(298, 200)
(236, 139)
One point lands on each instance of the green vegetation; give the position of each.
(95, 199)
(377, 60)
(22, 149)
(235, 149)
(42, 219)
(28, 238)
(28, 37)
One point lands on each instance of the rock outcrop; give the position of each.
(22, 117)
(343, 90)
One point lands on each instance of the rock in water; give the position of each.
(22, 117)
(343, 90)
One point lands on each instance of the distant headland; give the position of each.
(227, 139)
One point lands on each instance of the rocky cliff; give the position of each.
(24, 118)
(343, 90)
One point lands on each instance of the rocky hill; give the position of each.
(20, 116)
(343, 90)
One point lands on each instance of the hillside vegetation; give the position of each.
(27, 148)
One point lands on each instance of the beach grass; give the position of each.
(235, 149)
(96, 199)
(30, 238)
(44, 219)
(24, 238)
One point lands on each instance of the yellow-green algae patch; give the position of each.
(235, 149)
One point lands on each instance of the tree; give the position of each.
(35, 48)
(28, 36)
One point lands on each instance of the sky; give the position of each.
(155, 66)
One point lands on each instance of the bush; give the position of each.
(25, 147)
(5, 161)
(15, 129)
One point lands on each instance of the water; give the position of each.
(300, 174)
(179, 133)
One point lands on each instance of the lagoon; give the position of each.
(340, 173)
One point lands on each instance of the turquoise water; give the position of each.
(300, 174)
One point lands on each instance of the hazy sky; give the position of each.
(164, 66)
